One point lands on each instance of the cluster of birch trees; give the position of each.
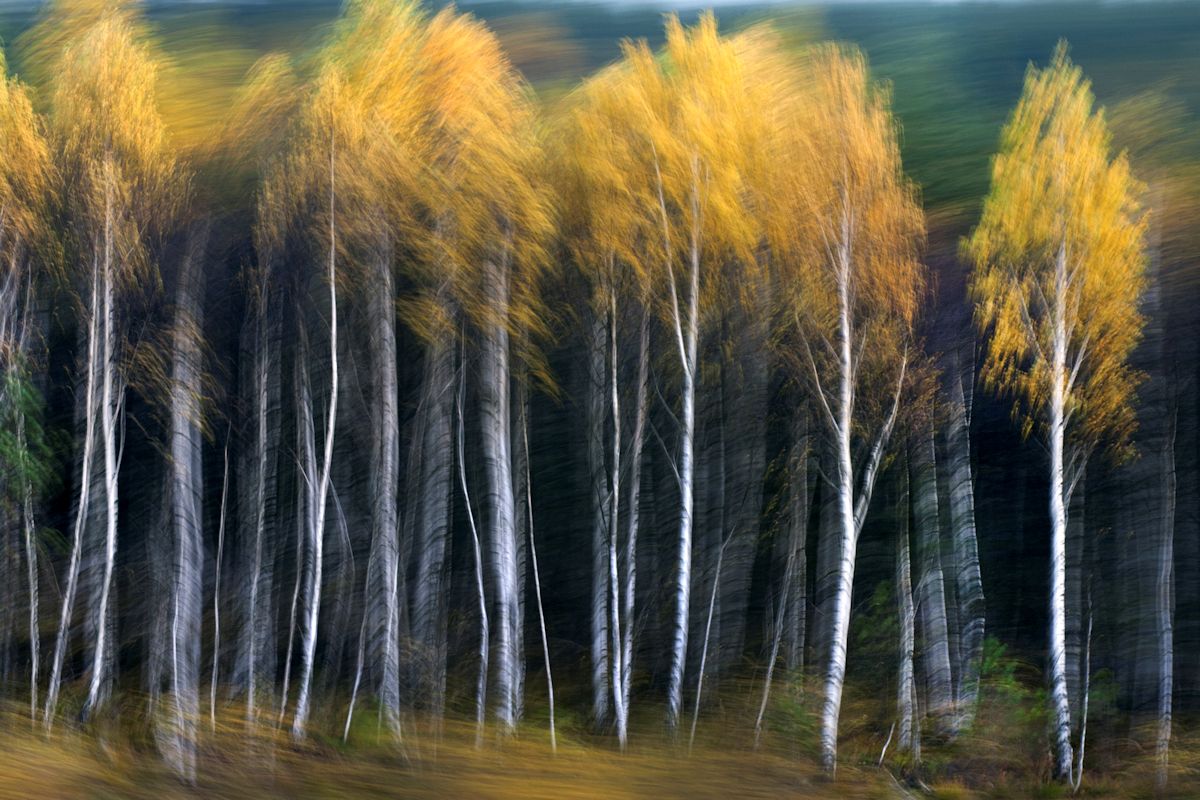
(300, 453)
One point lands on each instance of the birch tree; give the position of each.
(697, 106)
(25, 180)
(123, 184)
(845, 226)
(608, 219)
(1059, 267)
(492, 219)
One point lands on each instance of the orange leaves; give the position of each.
(1059, 254)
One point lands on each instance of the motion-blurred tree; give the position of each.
(1059, 270)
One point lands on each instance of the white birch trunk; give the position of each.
(906, 690)
(313, 605)
(931, 603)
(495, 432)
(687, 333)
(614, 507)
(600, 523)
(632, 516)
(111, 409)
(186, 510)
(537, 582)
(484, 632)
(968, 581)
(1059, 699)
(851, 511)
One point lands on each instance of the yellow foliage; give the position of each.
(1059, 251)
(117, 167)
(844, 223)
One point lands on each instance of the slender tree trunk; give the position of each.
(258, 622)
(1059, 699)
(712, 602)
(484, 631)
(111, 410)
(777, 637)
(31, 567)
(614, 516)
(687, 332)
(800, 493)
(906, 690)
(632, 516)
(600, 510)
(537, 581)
(1165, 608)
(313, 606)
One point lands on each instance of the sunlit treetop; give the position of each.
(25, 167)
(115, 159)
(25, 181)
(844, 223)
(1059, 250)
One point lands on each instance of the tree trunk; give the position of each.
(484, 632)
(1059, 699)
(687, 331)
(436, 502)
(600, 509)
(931, 598)
(971, 607)
(111, 413)
(382, 600)
(906, 689)
(1165, 608)
(496, 438)
(632, 517)
(187, 507)
(313, 604)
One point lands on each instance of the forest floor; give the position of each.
(997, 760)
